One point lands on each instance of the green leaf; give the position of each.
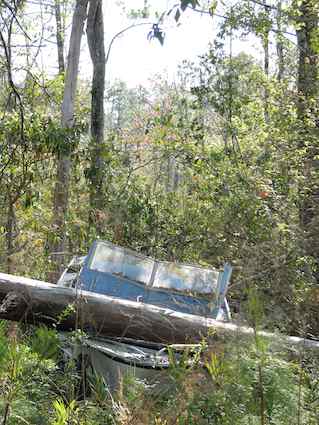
(177, 15)
(156, 32)
(213, 7)
(185, 4)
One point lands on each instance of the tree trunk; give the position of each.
(308, 91)
(33, 301)
(59, 35)
(265, 42)
(279, 42)
(61, 191)
(307, 28)
(95, 36)
(9, 231)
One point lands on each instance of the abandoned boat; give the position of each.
(132, 308)
(122, 273)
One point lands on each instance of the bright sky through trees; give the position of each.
(134, 59)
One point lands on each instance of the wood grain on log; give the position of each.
(101, 315)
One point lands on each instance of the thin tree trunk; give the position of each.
(261, 394)
(279, 42)
(59, 36)
(61, 191)
(266, 54)
(10, 237)
(308, 57)
(95, 36)
(6, 414)
(265, 42)
(308, 91)
(9, 229)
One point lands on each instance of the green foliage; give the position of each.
(65, 414)
(227, 393)
(3, 342)
(99, 388)
(237, 392)
(68, 310)
(210, 169)
(45, 343)
(21, 372)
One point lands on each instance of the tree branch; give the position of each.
(120, 33)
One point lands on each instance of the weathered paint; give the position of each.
(181, 287)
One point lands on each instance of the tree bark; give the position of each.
(279, 42)
(61, 191)
(95, 36)
(33, 301)
(59, 35)
(9, 230)
(265, 42)
(307, 107)
(307, 26)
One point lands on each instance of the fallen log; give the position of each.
(33, 301)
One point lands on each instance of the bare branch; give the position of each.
(122, 32)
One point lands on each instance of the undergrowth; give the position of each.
(235, 383)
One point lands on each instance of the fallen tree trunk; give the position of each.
(34, 302)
